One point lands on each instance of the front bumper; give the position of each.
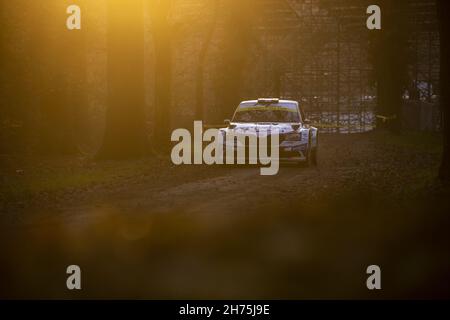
(293, 154)
(288, 153)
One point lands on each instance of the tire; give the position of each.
(307, 163)
(310, 156)
(314, 157)
(315, 151)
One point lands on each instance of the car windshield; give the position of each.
(271, 113)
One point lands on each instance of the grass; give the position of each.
(25, 178)
(53, 175)
(413, 140)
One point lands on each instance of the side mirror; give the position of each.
(227, 122)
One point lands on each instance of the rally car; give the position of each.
(298, 140)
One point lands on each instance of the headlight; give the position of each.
(293, 137)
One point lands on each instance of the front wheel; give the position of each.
(309, 160)
(313, 156)
(314, 152)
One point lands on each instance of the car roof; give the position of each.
(288, 104)
(280, 102)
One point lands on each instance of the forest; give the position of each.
(87, 114)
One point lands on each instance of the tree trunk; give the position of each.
(163, 92)
(235, 53)
(76, 65)
(125, 134)
(3, 55)
(389, 52)
(162, 39)
(199, 108)
(444, 27)
(56, 134)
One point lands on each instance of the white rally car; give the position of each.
(298, 140)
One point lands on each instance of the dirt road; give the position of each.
(228, 190)
(220, 232)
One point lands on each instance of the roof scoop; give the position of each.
(268, 100)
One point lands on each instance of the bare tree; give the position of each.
(389, 58)
(235, 47)
(199, 108)
(76, 66)
(162, 31)
(443, 8)
(125, 134)
(51, 77)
